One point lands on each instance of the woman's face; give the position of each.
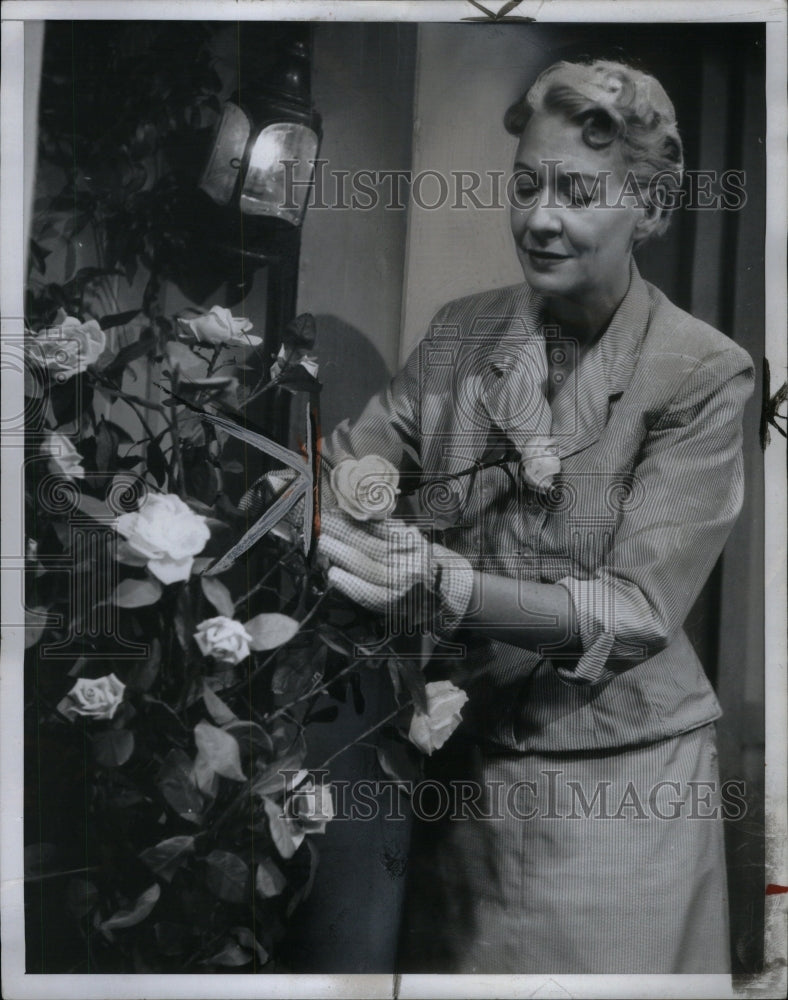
(572, 246)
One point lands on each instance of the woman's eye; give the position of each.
(574, 196)
(525, 188)
(577, 195)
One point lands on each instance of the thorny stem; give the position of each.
(212, 362)
(367, 732)
(256, 395)
(274, 653)
(314, 691)
(177, 458)
(261, 581)
(135, 402)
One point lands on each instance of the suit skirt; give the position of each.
(583, 863)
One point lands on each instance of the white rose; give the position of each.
(63, 456)
(167, 533)
(539, 462)
(310, 807)
(69, 346)
(366, 488)
(444, 704)
(288, 357)
(218, 326)
(516, 403)
(94, 699)
(223, 638)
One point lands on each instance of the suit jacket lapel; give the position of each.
(510, 333)
(582, 408)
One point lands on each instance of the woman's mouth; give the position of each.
(546, 255)
(543, 260)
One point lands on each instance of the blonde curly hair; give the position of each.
(613, 102)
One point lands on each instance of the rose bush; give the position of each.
(94, 699)
(224, 639)
(180, 772)
(366, 488)
(167, 533)
(429, 731)
(68, 346)
(219, 327)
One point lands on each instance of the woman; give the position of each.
(589, 837)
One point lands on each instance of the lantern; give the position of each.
(265, 145)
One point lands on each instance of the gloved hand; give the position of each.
(271, 485)
(379, 564)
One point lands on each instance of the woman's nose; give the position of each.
(544, 218)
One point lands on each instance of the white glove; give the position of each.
(378, 565)
(263, 491)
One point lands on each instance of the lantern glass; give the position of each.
(221, 172)
(271, 187)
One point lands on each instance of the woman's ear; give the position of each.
(650, 222)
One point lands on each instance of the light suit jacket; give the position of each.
(649, 430)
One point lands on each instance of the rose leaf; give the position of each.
(189, 363)
(166, 857)
(411, 674)
(247, 940)
(142, 675)
(397, 761)
(136, 593)
(218, 594)
(295, 677)
(228, 876)
(96, 508)
(231, 955)
(113, 748)
(35, 630)
(269, 881)
(221, 714)
(335, 640)
(301, 894)
(130, 918)
(157, 463)
(271, 630)
(220, 750)
(285, 840)
(176, 785)
(280, 774)
(118, 319)
(252, 739)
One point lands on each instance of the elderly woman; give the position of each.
(585, 832)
